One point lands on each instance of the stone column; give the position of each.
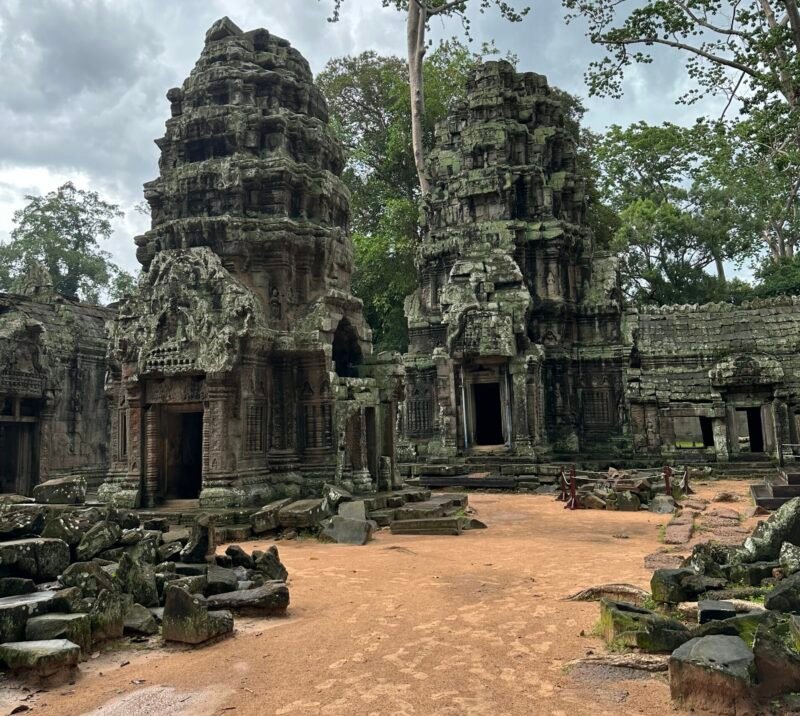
(47, 415)
(152, 436)
(520, 428)
(217, 454)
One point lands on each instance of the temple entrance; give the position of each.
(488, 414)
(18, 445)
(183, 454)
(750, 430)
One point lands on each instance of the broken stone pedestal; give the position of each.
(715, 673)
(53, 660)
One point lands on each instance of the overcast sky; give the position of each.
(85, 81)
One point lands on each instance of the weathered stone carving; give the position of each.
(242, 368)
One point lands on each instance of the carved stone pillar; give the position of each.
(47, 415)
(521, 432)
(152, 442)
(217, 455)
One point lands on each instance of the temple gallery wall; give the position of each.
(242, 369)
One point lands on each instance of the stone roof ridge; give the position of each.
(719, 306)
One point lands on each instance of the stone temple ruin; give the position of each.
(522, 351)
(242, 370)
(515, 328)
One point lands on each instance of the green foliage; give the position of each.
(779, 277)
(369, 102)
(62, 230)
(676, 218)
(747, 52)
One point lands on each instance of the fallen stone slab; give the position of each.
(188, 620)
(768, 537)
(303, 514)
(662, 505)
(776, 655)
(653, 663)
(266, 518)
(219, 580)
(742, 625)
(714, 610)
(19, 524)
(752, 573)
(428, 526)
(724, 513)
(40, 559)
(137, 579)
(681, 585)
(89, 577)
(343, 530)
(67, 527)
(269, 564)
(61, 491)
(626, 624)
(271, 598)
(382, 518)
(334, 496)
(46, 659)
(107, 615)
(354, 510)
(139, 620)
(785, 597)
(15, 586)
(100, 537)
(239, 558)
(789, 558)
(715, 673)
(678, 533)
(419, 511)
(663, 560)
(76, 628)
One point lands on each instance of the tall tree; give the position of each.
(369, 101)
(419, 14)
(748, 51)
(62, 231)
(677, 222)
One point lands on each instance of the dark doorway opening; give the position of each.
(755, 429)
(488, 414)
(17, 457)
(184, 455)
(750, 430)
(707, 430)
(346, 350)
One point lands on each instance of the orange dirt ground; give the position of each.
(474, 624)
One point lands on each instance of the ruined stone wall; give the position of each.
(53, 413)
(709, 361)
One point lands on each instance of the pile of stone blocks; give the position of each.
(742, 653)
(72, 576)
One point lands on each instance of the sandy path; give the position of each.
(472, 625)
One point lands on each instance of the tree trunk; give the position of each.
(720, 269)
(415, 36)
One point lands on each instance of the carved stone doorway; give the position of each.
(18, 445)
(488, 414)
(750, 430)
(182, 453)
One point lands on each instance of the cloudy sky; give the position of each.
(85, 81)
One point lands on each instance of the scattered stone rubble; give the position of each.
(74, 575)
(740, 654)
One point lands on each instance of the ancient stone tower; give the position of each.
(241, 367)
(515, 326)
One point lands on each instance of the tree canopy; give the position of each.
(63, 231)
